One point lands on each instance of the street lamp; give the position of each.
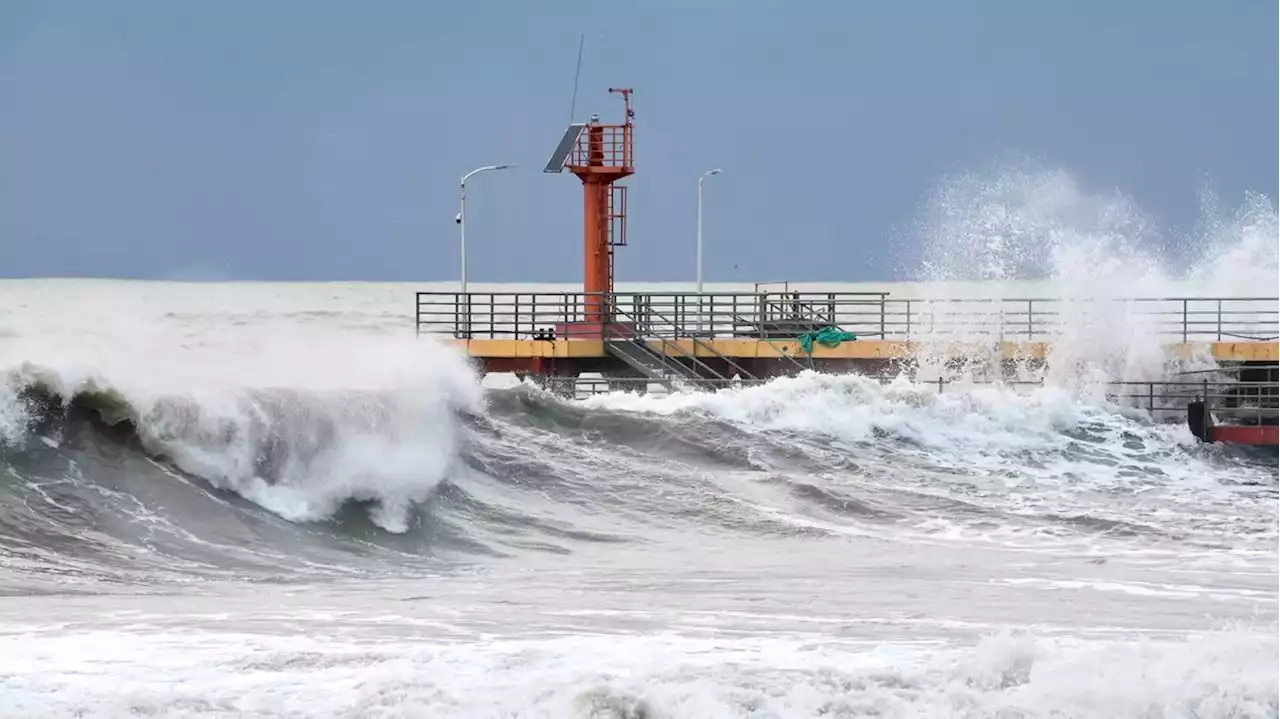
(464, 330)
(461, 219)
(705, 175)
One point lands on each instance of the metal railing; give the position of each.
(784, 315)
(641, 323)
(1251, 397)
(668, 349)
(604, 146)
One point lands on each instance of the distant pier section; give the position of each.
(634, 341)
(709, 339)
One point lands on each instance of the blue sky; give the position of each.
(324, 140)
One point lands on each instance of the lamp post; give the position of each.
(702, 179)
(462, 217)
(464, 330)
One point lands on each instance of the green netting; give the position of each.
(827, 337)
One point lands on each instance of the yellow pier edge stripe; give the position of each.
(559, 349)
(743, 348)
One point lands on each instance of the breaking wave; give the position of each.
(338, 420)
(297, 436)
(322, 421)
(103, 475)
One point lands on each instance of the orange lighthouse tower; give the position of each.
(599, 155)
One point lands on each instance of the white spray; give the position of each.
(298, 421)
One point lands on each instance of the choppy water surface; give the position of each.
(266, 500)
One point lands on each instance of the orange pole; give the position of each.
(596, 249)
(595, 228)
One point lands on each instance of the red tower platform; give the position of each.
(599, 155)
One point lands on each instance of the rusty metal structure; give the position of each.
(600, 155)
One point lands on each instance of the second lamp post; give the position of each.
(702, 179)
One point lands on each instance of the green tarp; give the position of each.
(827, 337)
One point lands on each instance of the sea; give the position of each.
(239, 499)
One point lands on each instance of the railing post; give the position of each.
(1184, 321)
(908, 319)
(762, 314)
(610, 309)
(882, 311)
(466, 315)
(1030, 320)
(1219, 319)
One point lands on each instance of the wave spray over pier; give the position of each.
(983, 493)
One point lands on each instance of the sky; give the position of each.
(324, 140)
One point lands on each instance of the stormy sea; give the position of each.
(273, 500)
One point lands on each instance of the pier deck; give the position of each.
(636, 341)
(509, 331)
(486, 349)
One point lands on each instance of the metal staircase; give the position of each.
(657, 357)
(640, 357)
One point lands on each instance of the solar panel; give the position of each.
(567, 143)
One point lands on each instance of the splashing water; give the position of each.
(299, 423)
(1025, 230)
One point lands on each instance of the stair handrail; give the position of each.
(643, 328)
(742, 371)
(699, 343)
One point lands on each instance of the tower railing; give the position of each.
(603, 146)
